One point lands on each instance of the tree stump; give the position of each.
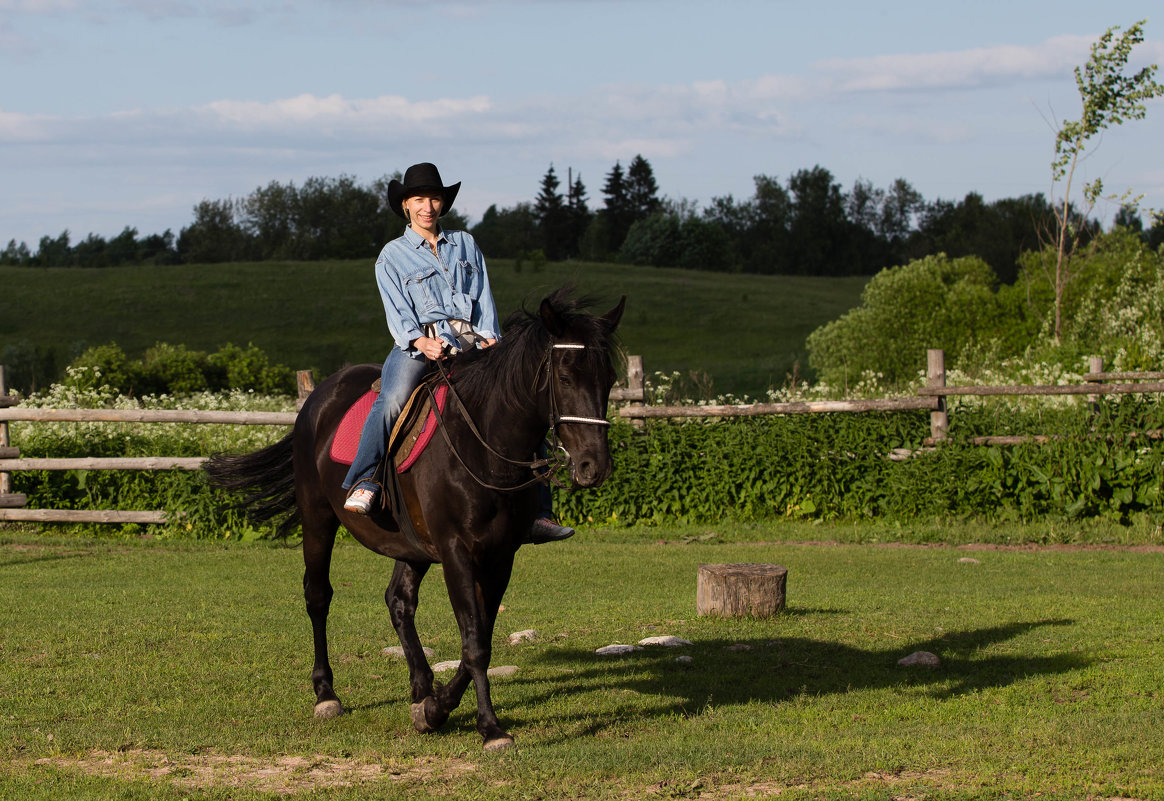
(740, 590)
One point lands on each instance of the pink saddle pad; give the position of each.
(347, 436)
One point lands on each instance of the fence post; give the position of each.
(936, 377)
(1094, 365)
(5, 478)
(7, 497)
(634, 380)
(304, 383)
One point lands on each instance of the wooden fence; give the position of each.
(632, 400)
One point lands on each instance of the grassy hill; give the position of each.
(745, 332)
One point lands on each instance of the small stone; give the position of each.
(968, 560)
(501, 671)
(920, 659)
(686, 659)
(397, 652)
(740, 646)
(666, 640)
(616, 648)
(522, 636)
(441, 667)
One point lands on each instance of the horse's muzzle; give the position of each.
(589, 471)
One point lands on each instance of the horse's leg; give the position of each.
(475, 593)
(401, 597)
(319, 528)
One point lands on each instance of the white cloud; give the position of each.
(964, 69)
(37, 6)
(390, 110)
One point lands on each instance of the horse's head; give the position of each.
(580, 372)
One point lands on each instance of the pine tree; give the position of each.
(617, 214)
(553, 217)
(642, 191)
(579, 214)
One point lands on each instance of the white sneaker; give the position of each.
(360, 501)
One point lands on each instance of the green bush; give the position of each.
(104, 365)
(837, 467)
(174, 370)
(935, 302)
(249, 369)
(807, 466)
(1113, 308)
(177, 370)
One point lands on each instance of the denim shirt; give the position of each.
(418, 287)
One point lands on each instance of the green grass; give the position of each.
(151, 671)
(747, 332)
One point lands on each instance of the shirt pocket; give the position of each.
(420, 290)
(471, 273)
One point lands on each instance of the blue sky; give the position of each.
(129, 112)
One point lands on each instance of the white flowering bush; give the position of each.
(192, 504)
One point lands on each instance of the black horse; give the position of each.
(471, 495)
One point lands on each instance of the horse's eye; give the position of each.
(564, 379)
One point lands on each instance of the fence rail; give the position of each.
(148, 416)
(932, 397)
(1042, 389)
(792, 407)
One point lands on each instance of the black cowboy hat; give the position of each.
(421, 178)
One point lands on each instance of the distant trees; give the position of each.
(807, 224)
(324, 218)
(93, 251)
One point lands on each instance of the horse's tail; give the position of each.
(264, 480)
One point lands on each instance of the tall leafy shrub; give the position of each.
(934, 302)
(1116, 306)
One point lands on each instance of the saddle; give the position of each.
(411, 434)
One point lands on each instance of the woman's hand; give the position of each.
(432, 348)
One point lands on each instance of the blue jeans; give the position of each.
(400, 376)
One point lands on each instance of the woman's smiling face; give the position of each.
(423, 210)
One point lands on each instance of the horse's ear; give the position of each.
(611, 318)
(551, 320)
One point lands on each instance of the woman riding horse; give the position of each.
(437, 300)
(471, 495)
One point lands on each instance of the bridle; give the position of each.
(544, 470)
(555, 417)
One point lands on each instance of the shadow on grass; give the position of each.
(28, 556)
(730, 672)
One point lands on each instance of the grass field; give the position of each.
(747, 332)
(147, 671)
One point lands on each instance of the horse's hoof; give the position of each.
(326, 710)
(419, 718)
(499, 743)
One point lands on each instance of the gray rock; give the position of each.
(666, 640)
(397, 652)
(522, 636)
(920, 659)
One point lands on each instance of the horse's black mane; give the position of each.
(508, 368)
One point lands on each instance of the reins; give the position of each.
(550, 465)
